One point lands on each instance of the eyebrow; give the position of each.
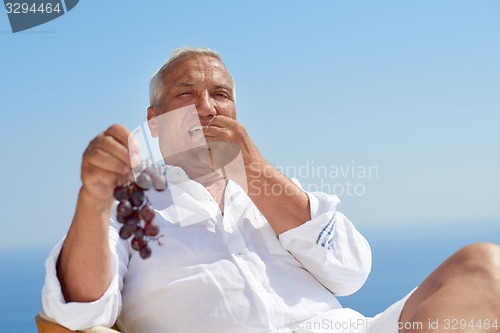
(219, 86)
(184, 84)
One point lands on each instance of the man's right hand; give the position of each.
(84, 263)
(106, 164)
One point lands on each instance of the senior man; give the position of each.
(252, 260)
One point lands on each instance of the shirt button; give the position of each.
(228, 229)
(243, 252)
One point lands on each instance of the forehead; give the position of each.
(197, 69)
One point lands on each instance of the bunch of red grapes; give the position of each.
(135, 211)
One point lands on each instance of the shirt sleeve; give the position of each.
(80, 316)
(330, 247)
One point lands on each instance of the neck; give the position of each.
(209, 178)
(215, 184)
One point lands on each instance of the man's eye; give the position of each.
(222, 94)
(184, 93)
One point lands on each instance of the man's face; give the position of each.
(196, 88)
(200, 80)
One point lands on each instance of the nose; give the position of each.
(205, 107)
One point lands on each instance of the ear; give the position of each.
(153, 121)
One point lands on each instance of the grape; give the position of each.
(121, 219)
(134, 207)
(126, 232)
(157, 178)
(151, 229)
(132, 221)
(124, 208)
(145, 252)
(137, 244)
(137, 198)
(121, 192)
(147, 213)
(134, 215)
(145, 181)
(159, 183)
(139, 233)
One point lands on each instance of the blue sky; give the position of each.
(408, 87)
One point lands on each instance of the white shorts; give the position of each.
(350, 321)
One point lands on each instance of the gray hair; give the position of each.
(156, 85)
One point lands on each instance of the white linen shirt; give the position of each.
(218, 272)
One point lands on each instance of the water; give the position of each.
(21, 281)
(403, 257)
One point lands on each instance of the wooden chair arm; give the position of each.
(44, 325)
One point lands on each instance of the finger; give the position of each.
(92, 176)
(212, 132)
(217, 134)
(105, 160)
(120, 133)
(221, 121)
(111, 145)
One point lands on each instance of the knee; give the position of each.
(479, 258)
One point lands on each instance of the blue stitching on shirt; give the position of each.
(330, 237)
(330, 231)
(329, 227)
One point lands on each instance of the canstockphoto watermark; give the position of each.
(342, 180)
(26, 14)
(328, 324)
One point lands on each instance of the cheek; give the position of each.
(172, 104)
(177, 104)
(228, 110)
